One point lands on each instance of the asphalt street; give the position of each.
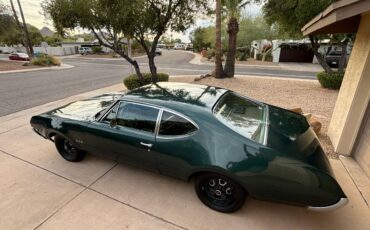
(19, 91)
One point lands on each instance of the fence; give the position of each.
(55, 51)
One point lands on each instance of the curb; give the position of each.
(108, 59)
(61, 67)
(253, 76)
(197, 60)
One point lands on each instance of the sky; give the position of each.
(33, 14)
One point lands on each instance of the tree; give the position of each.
(292, 15)
(112, 20)
(233, 8)
(11, 31)
(27, 40)
(199, 39)
(53, 40)
(219, 71)
(177, 40)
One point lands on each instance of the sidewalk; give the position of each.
(289, 66)
(39, 190)
(61, 67)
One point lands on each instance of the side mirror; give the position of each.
(113, 123)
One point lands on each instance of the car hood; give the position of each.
(86, 109)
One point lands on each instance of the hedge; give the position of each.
(132, 82)
(330, 81)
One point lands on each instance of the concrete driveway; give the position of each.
(39, 190)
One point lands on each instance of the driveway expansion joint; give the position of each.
(85, 188)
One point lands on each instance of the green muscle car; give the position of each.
(229, 144)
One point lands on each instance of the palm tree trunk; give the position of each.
(219, 72)
(233, 29)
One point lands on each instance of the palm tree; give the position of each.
(219, 72)
(233, 8)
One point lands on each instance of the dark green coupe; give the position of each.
(229, 144)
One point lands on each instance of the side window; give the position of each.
(173, 125)
(137, 117)
(112, 114)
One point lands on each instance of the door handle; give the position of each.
(146, 144)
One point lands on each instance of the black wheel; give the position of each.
(67, 150)
(219, 193)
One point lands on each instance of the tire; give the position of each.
(67, 150)
(220, 196)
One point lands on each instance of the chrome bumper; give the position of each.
(342, 202)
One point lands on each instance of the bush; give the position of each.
(269, 57)
(330, 81)
(211, 53)
(132, 81)
(242, 56)
(97, 49)
(45, 60)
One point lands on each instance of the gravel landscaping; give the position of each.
(14, 65)
(286, 93)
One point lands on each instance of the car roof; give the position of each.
(182, 97)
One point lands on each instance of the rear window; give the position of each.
(243, 116)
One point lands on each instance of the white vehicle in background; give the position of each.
(85, 50)
(179, 46)
(158, 51)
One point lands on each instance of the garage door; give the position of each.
(296, 54)
(362, 153)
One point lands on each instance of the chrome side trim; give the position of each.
(342, 202)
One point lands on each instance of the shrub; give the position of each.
(211, 53)
(97, 49)
(132, 81)
(330, 81)
(45, 60)
(269, 57)
(242, 56)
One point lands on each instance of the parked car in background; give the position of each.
(19, 57)
(231, 145)
(158, 51)
(85, 50)
(333, 57)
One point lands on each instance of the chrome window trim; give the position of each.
(168, 137)
(102, 116)
(158, 121)
(267, 125)
(135, 103)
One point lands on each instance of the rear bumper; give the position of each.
(342, 202)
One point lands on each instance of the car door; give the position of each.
(132, 137)
(177, 148)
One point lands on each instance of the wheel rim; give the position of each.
(218, 191)
(68, 148)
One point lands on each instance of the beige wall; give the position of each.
(354, 95)
(362, 153)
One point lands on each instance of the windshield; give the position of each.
(243, 116)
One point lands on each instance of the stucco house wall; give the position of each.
(349, 128)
